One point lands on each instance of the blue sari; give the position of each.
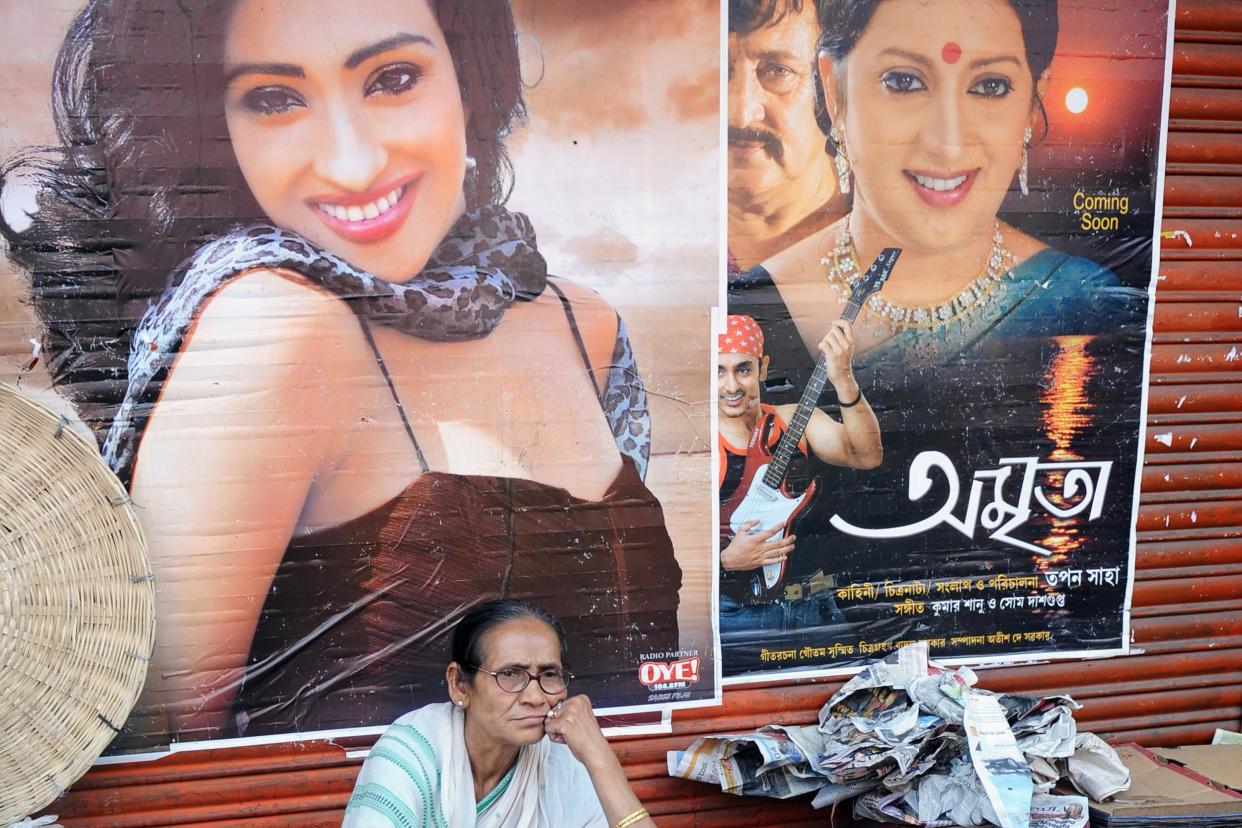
(1049, 294)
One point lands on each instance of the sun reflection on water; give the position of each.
(1066, 412)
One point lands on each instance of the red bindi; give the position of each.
(951, 52)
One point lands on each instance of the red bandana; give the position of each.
(742, 337)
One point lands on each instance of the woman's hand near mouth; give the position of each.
(572, 723)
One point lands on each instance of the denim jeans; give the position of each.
(819, 610)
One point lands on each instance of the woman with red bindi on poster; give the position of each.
(934, 109)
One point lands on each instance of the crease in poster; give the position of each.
(965, 471)
(357, 306)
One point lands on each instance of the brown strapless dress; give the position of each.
(356, 627)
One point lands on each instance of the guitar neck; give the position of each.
(787, 446)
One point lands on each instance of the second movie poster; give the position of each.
(931, 387)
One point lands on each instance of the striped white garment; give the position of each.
(418, 776)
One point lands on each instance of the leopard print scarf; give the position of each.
(488, 260)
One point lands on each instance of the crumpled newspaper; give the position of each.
(917, 743)
(1093, 768)
(773, 762)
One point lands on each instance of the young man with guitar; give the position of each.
(754, 602)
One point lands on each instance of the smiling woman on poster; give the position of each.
(361, 407)
(934, 109)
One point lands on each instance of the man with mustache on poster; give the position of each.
(804, 601)
(781, 182)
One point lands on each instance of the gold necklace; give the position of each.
(972, 301)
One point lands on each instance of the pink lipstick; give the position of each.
(369, 216)
(941, 189)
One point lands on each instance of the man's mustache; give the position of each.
(771, 143)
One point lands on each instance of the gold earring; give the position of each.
(841, 160)
(1022, 171)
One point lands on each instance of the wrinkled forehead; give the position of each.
(324, 32)
(524, 641)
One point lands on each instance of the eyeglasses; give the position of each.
(515, 679)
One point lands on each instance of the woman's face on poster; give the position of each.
(347, 121)
(935, 98)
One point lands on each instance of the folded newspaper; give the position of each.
(916, 743)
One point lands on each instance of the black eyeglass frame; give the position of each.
(566, 678)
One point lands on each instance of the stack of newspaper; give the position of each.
(917, 743)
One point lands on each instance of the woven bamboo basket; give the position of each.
(77, 606)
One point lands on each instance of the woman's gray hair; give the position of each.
(466, 648)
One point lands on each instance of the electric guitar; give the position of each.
(762, 494)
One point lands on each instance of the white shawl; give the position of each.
(418, 776)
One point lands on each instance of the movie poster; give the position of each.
(979, 186)
(379, 311)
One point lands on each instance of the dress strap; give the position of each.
(379, 360)
(573, 326)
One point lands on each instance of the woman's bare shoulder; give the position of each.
(274, 288)
(580, 296)
(595, 318)
(260, 382)
(272, 326)
(261, 303)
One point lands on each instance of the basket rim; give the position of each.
(77, 604)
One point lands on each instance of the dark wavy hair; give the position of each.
(749, 16)
(467, 645)
(842, 22)
(144, 171)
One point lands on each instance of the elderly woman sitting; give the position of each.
(482, 758)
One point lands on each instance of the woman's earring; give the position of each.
(471, 163)
(842, 162)
(1026, 146)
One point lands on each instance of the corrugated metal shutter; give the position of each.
(1185, 678)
